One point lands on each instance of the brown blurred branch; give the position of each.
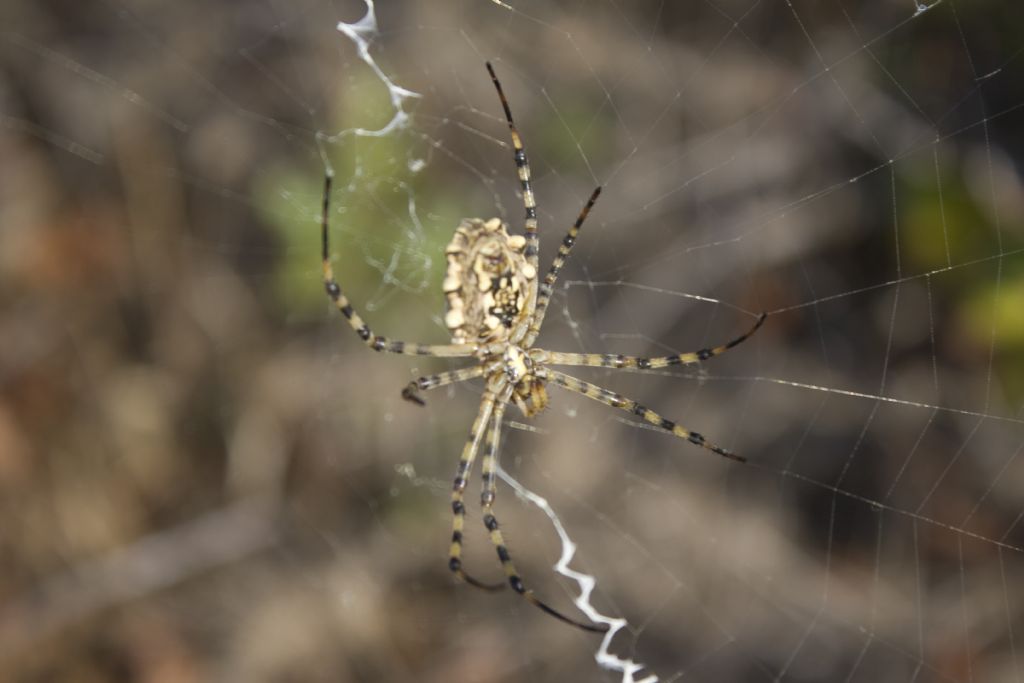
(153, 563)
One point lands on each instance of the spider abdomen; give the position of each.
(488, 284)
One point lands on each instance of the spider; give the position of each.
(495, 308)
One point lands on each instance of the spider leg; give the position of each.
(375, 342)
(547, 287)
(469, 451)
(619, 401)
(523, 169)
(616, 361)
(487, 497)
(426, 383)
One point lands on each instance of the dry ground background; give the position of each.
(205, 477)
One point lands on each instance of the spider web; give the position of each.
(205, 465)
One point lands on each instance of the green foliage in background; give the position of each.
(987, 310)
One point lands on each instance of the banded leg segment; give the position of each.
(426, 383)
(469, 451)
(611, 360)
(374, 341)
(523, 169)
(489, 466)
(487, 497)
(615, 400)
(548, 286)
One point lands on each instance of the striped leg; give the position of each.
(375, 342)
(523, 168)
(428, 382)
(491, 522)
(615, 400)
(476, 434)
(610, 360)
(548, 286)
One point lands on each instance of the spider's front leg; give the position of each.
(487, 497)
(615, 400)
(469, 451)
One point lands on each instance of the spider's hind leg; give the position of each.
(618, 361)
(523, 169)
(355, 321)
(547, 287)
(411, 390)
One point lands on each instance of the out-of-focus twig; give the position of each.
(154, 562)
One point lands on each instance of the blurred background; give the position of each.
(205, 476)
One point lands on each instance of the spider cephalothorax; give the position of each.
(528, 390)
(495, 308)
